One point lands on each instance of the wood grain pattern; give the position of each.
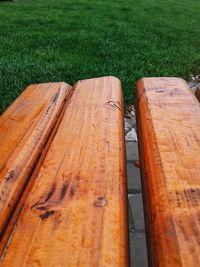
(76, 211)
(24, 130)
(168, 117)
(197, 93)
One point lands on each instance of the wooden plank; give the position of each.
(24, 130)
(76, 211)
(168, 117)
(197, 93)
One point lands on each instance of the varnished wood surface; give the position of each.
(24, 130)
(168, 117)
(76, 211)
(197, 93)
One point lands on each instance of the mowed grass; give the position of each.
(65, 40)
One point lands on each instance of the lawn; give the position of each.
(65, 40)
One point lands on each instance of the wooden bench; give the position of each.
(168, 117)
(24, 130)
(197, 93)
(73, 211)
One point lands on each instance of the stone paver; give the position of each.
(132, 151)
(136, 206)
(138, 250)
(133, 175)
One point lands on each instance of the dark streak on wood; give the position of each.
(181, 225)
(41, 208)
(35, 205)
(72, 190)
(190, 197)
(114, 104)
(50, 193)
(10, 176)
(47, 214)
(55, 97)
(63, 190)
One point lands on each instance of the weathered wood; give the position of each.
(197, 93)
(168, 117)
(76, 211)
(24, 130)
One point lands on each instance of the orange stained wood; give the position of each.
(197, 93)
(24, 129)
(76, 211)
(169, 140)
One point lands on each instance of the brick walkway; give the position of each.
(136, 218)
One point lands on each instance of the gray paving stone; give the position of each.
(131, 123)
(127, 125)
(138, 250)
(133, 176)
(131, 221)
(132, 151)
(136, 206)
(131, 136)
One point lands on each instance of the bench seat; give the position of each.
(24, 130)
(75, 211)
(197, 93)
(168, 118)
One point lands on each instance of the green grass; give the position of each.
(65, 40)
